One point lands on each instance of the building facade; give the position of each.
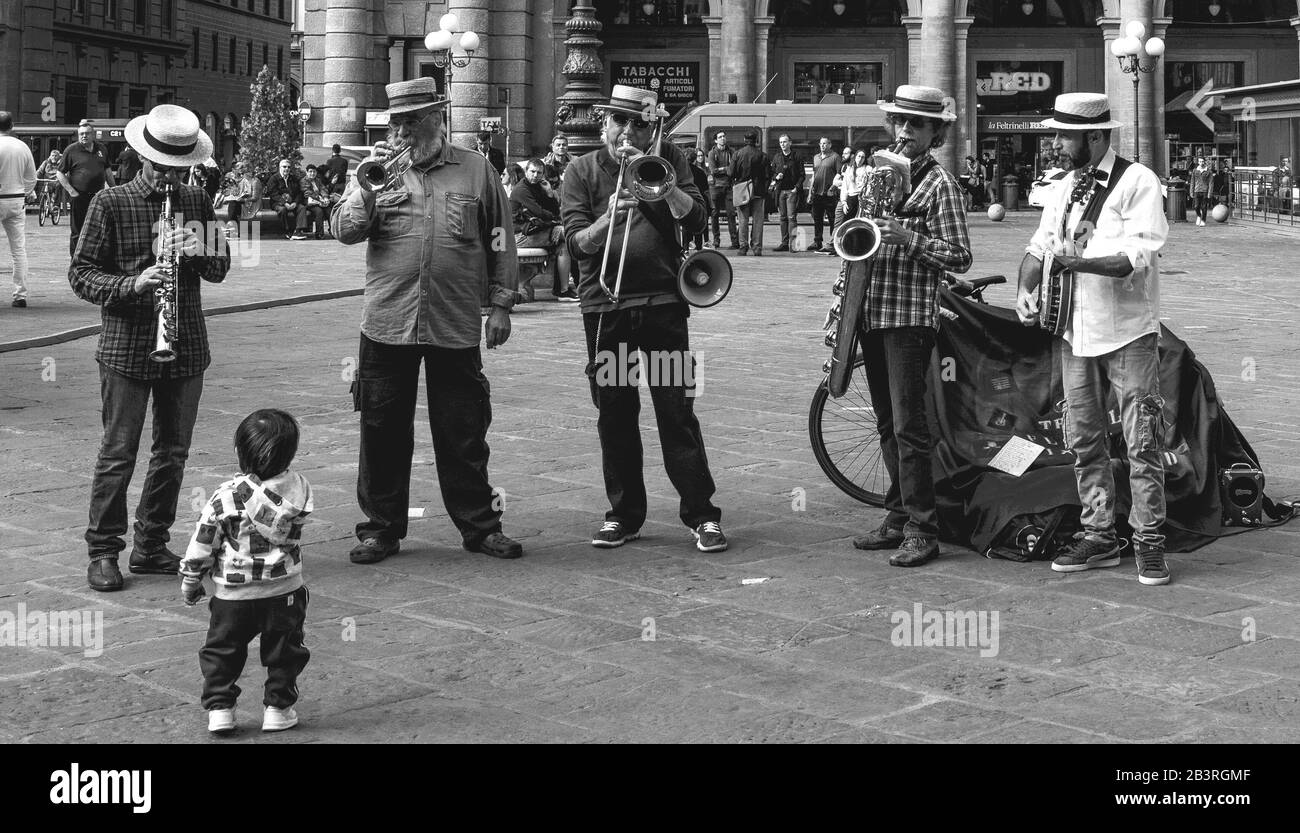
(1002, 61)
(65, 60)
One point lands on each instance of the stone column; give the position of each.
(738, 41)
(913, 26)
(348, 45)
(938, 66)
(762, 27)
(583, 73)
(471, 85)
(963, 131)
(713, 24)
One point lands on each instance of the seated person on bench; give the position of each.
(537, 224)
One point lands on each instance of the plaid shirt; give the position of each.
(904, 290)
(116, 245)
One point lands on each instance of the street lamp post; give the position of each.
(443, 43)
(1130, 50)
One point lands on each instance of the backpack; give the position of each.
(1037, 536)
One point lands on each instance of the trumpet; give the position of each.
(381, 176)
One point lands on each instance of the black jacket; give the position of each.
(750, 165)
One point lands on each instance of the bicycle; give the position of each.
(843, 432)
(51, 204)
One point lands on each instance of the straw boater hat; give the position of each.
(169, 135)
(1081, 111)
(912, 100)
(632, 100)
(416, 94)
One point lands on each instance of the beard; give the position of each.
(1077, 160)
(426, 148)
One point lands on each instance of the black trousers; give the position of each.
(460, 411)
(662, 333)
(279, 622)
(79, 205)
(898, 363)
(823, 214)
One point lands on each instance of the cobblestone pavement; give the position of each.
(437, 644)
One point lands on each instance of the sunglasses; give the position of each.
(621, 119)
(914, 122)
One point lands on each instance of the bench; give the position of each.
(532, 262)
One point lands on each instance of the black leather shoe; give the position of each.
(885, 538)
(373, 550)
(20, 303)
(782, 248)
(104, 575)
(160, 562)
(915, 551)
(496, 545)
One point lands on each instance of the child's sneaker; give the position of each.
(221, 721)
(277, 720)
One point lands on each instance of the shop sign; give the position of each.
(1010, 83)
(1011, 124)
(675, 82)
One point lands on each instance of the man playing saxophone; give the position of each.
(116, 266)
(921, 237)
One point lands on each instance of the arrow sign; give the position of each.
(1200, 104)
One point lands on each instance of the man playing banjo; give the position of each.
(1105, 224)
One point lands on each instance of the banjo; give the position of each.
(1056, 290)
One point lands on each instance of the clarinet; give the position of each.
(166, 297)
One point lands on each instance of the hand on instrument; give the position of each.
(1027, 308)
(382, 151)
(620, 203)
(891, 231)
(147, 281)
(498, 327)
(627, 152)
(181, 240)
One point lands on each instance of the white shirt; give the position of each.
(17, 167)
(1110, 312)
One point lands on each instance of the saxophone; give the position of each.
(166, 298)
(855, 240)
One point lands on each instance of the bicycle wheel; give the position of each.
(56, 211)
(845, 440)
(43, 210)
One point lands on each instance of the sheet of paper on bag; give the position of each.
(1016, 456)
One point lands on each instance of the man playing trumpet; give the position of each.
(921, 238)
(439, 234)
(638, 308)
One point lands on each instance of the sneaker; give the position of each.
(885, 538)
(277, 720)
(20, 303)
(373, 550)
(612, 534)
(1152, 568)
(568, 296)
(709, 537)
(1086, 554)
(298, 235)
(915, 551)
(221, 721)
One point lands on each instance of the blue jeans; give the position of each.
(787, 208)
(460, 411)
(1133, 373)
(125, 400)
(898, 363)
(751, 213)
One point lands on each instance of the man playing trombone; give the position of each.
(629, 251)
(439, 234)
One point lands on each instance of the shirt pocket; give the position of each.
(462, 217)
(394, 213)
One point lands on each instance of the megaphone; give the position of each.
(704, 278)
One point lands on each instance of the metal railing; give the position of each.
(1265, 195)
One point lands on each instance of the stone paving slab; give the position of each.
(439, 645)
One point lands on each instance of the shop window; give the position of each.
(1236, 12)
(1184, 81)
(1003, 87)
(650, 12)
(1034, 13)
(858, 83)
(829, 14)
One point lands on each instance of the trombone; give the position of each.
(648, 178)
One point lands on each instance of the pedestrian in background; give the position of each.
(83, 173)
(1201, 176)
(824, 193)
(17, 180)
(787, 183)
(696, 160)
(749, 176)
(720, 199)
